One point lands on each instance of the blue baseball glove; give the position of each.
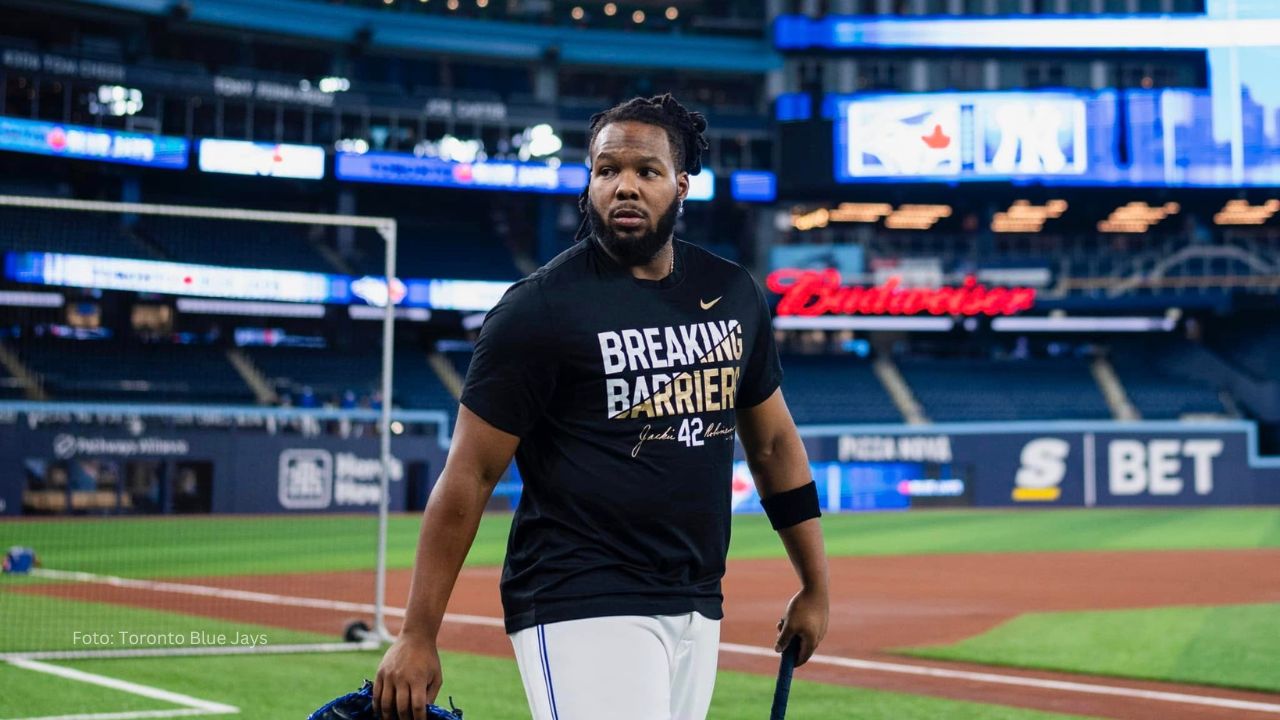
(359, 706)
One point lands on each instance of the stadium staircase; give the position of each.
(253, 377)
(1113, 390)
(22, 376)
(448, 374)
(899, 391)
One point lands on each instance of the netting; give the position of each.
(195, 433)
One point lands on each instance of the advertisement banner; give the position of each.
(409, 169)
(240, 471)
(1080, 464)
(187, 279)
(973, 136)
(856, 467)
(239, 157)
(74, 141)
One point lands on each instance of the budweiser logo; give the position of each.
(819, 292)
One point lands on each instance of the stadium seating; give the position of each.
(214, 242)
(445, 250)
(76, 233)
(835, 389)
(1162, 380)
(130, 372)
(1028, 389)
(329, 374)
(1253, 345)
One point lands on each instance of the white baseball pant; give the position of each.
(620, 668)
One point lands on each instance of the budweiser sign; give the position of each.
(819, 292)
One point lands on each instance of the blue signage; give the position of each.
(1114, 32)
(408, 169)
(76, 141)
(974, 136)
(753, 186)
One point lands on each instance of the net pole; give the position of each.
(388, 232)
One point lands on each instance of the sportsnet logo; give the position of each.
(306, 479)
(312, 479)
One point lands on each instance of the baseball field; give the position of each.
(1008, 615)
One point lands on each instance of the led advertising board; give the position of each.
(75, 141)
(972, 136)
(233, 283)
(408, 169)
(239, 157)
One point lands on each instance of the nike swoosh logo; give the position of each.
(708, 305)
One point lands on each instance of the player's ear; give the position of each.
(682, 185)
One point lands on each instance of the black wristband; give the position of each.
(792, 507)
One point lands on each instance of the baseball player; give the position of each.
(618, 375)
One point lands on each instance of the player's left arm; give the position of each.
(779, 463)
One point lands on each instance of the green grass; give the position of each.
(1230, 646)
(291, 686)
(44, 623)
(176, 547)
(28, 694)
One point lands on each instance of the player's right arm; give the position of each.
(409, 677)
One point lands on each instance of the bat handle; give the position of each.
(782, 691)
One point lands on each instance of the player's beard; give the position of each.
(634, 250)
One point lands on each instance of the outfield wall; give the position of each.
(177, 460)
(857, 467)
(1082, 464)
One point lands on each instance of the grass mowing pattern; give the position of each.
(1230, 646)
(44, 623)
(291, 686)
(192, 547)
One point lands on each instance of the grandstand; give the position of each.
(1098, 251)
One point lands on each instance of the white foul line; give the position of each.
(902, 668)
(189, 705)
(985, 677)
(248, 595)
(132, 715)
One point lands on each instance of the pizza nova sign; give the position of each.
(820, 292)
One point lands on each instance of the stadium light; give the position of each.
(578, 13)
(1136, 217)
(916, 217)
(1240, 212)
(637, 17)
(116, 101)
(537, 141)
(610, 9)
(672, 13)
(358, 146)
(334, 84)
(1022, 216)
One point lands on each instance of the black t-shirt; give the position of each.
(622, 392)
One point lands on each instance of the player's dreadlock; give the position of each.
(684, 129)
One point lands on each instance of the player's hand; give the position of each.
(408, 679)
(806, 619)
